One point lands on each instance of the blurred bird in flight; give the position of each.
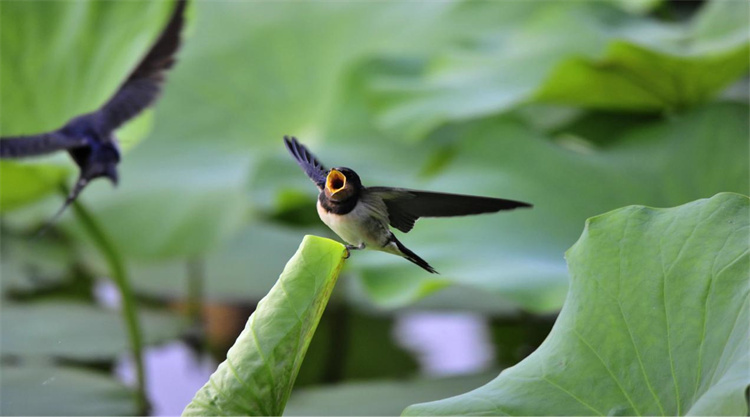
(89, 138)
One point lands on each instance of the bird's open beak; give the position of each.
(335, 182)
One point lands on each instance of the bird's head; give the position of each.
(98, 160)
(342, 184)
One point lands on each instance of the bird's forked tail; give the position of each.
(413, 257)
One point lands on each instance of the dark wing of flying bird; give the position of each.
(312, 167)
(406, 206)
(34, 145)
(144, 84)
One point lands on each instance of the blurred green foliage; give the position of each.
(64, 390)
(78, 332)
(577, 107)
(367, 398)
(217, 162)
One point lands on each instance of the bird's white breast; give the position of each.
(364, 224)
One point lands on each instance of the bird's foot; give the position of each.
(350, 248)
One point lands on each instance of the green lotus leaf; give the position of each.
(656, 322)
(260, 369)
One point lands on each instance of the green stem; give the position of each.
(119, 276)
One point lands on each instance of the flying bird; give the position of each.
(89, 138)
(361, 215)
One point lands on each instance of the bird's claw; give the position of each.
(350, 248)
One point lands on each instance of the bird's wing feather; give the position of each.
(144, 84)
(312, 167)
(34, 145)
(406, 206)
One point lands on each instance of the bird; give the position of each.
(89, 138)
(361, 215)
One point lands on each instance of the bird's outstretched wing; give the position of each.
(406, 206)
(144, 84)
(312, 167)
(34, 145)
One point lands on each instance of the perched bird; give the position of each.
(360, 215)
(89, 138)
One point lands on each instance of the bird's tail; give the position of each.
(411, 256)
